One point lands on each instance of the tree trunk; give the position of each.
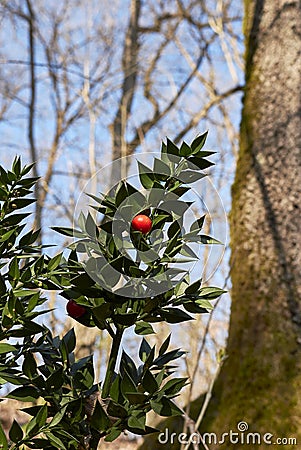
(260, 382)
(130, 71)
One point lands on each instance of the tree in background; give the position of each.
(260, 381)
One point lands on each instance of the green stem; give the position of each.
(112, 362)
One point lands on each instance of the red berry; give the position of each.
(142, 223)
(74, 310)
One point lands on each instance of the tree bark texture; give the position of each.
(260, 382)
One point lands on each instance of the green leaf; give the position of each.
(136, 398)
(37, 422)
(6, 348)
(165, 407)
(99, 420)
(198, 143)
(202, 238)
(150, 358)
(137, 420)
(199, 307)
(160, 220)
(3, 194)
(3, 440)
(24, 394)
(2, 285)
(72, 232)
(102, 312)
(29, 366)
(201, 163)
(165, 345)
(174, 230)
(84, 377)
(208, 240)
(144, 350)
(113, 434)
(58, 417)
(28, 182)
(147, 430)
(15, 432)
(167, 357)
(90, 226)
(149, 382)
(179, 191)
(210, 292)
(176, 207)
(37, 444)
(160, 168)
(187, 251)
(54, 262)
(55, 381)
(174, 386)
(7, 235)
(143, 328)
(24, 293)
(171, 148)
(198, 224)
(126, 318)
(116, 410)
(14, 271)
(3, 176)
(27, 169)
(55, 441)
(146, 176)
(29, 238)
(174, 315)
(127, 365)
(14, 378)
(185, 150)
(70, 340)
(115, 389)
(11, 176)
(127, 384)
(121, 192)
(19, 203)
(190, 176)
(193, 288)
(14, 219)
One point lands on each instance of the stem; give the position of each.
(112, 362)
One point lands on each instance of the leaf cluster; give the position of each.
(68, 411)
(155, 273)
(137, 390)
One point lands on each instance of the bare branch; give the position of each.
(130, 66)
(31, 116)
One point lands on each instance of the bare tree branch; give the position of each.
(130, 66)
(31, 116)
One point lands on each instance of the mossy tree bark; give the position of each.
(260, 382)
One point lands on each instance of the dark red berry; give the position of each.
(74, 310)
